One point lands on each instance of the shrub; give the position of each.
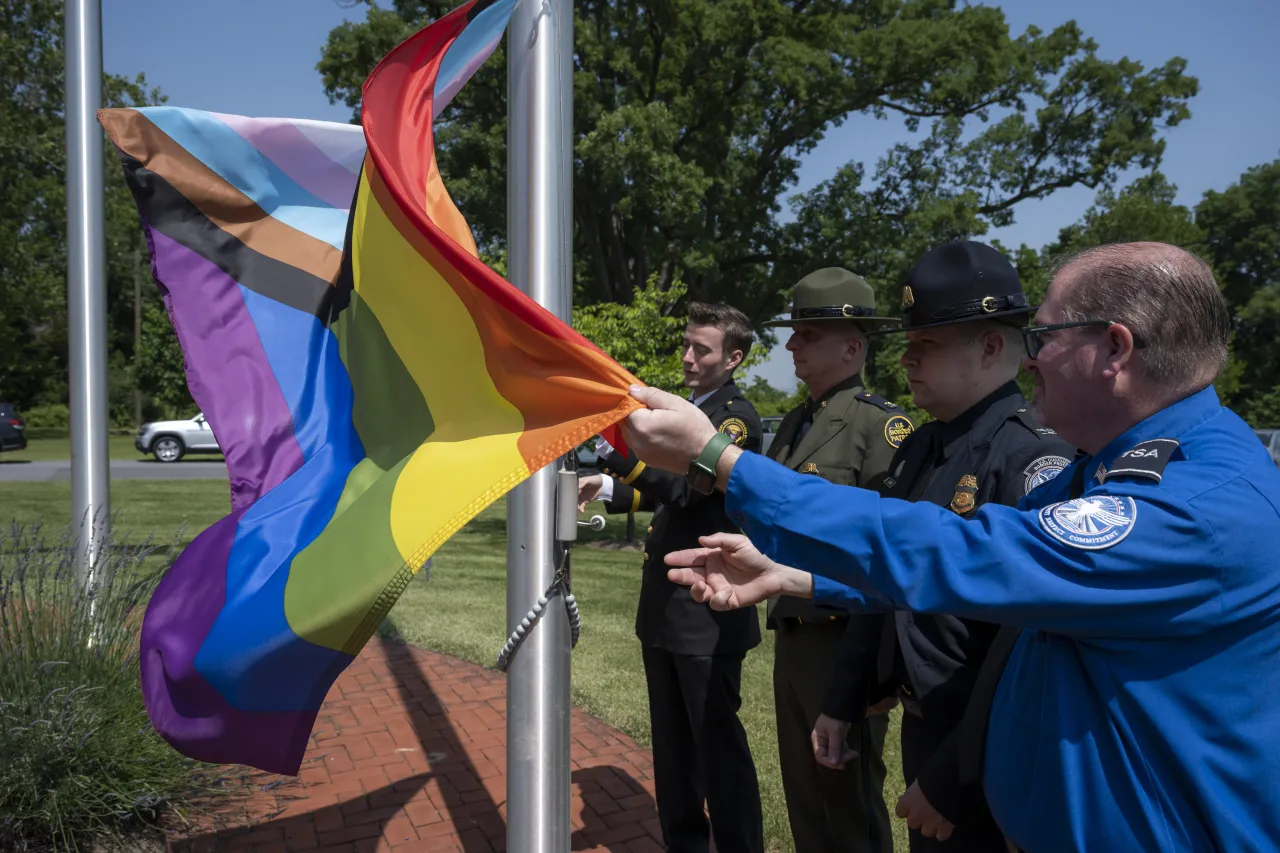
(81, 759)
(52, 416)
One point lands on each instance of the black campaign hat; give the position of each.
(959, 282)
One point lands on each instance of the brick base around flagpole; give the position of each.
(409, 753)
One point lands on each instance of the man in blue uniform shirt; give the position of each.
(1140, 706)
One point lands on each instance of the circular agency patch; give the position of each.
(736, 429)
(896, 430)
(1043, 470)
(1091, 523)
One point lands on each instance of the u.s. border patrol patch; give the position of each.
(736, 429)
(1042, 471)
(1092, 523)
(896, 430)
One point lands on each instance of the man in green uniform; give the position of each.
(846, 436)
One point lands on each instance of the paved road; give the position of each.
(122, 469)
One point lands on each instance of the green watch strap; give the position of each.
(710, 454)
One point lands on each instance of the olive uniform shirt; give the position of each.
(847, 436)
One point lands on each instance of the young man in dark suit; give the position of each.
(693, 655)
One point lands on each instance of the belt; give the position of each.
(910, 704)
(793, 622)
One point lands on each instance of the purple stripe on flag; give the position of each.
(185, 709)
(227, 370)
(295, 154)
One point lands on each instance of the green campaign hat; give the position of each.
(833, 293)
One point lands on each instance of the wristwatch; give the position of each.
(702, 471)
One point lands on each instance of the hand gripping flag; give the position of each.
(373, 385)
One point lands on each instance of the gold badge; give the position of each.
(966, 492)
(736, 429)
(896, 429)
(808, 468)
(908, 299)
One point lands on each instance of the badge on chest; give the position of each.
(966, 495)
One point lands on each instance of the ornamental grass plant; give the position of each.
(81, 766)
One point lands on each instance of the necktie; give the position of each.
(805, 425)
(923, 463)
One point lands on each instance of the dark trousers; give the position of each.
(831, 811)
(974, 833)
(700, 753)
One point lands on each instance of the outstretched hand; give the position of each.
(728, 573)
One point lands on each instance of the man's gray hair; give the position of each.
(1168, 299)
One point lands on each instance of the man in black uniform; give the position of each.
(963, 306)
(693, 655)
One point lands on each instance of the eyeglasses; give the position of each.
(1032, 341)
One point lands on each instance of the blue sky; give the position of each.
(1230, 46)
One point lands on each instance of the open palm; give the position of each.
(727, 573)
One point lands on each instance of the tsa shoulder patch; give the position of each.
(896, 430)
(736, 429)
(1094, 523)
(1042, 471)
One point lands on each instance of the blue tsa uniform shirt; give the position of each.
(1140, 707)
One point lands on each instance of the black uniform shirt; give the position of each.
(995, 452)
(667, 616)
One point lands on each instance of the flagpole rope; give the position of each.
(558, 587)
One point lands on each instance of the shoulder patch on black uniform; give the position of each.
(1029, 421)
(1147, 459)
(1042, 470)
(875, 400)
(736, 429)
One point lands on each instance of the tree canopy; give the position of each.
(690, 120)
(33, 217)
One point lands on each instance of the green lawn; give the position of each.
(460, 611)
(43, 449)
(49, 445)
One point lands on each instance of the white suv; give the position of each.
(1271, 440)
(169, 441)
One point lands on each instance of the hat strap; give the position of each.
(829, 312)
(985, 305)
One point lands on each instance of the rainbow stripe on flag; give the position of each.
(373, 385)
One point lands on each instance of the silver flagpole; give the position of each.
(539, 229)
(86, 282)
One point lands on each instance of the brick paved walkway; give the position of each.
(409, 754)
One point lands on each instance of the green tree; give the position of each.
(1145, 210)
(1241, 225)
(644, 337)
(33, 215)
(770, 401)
(690, 120)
